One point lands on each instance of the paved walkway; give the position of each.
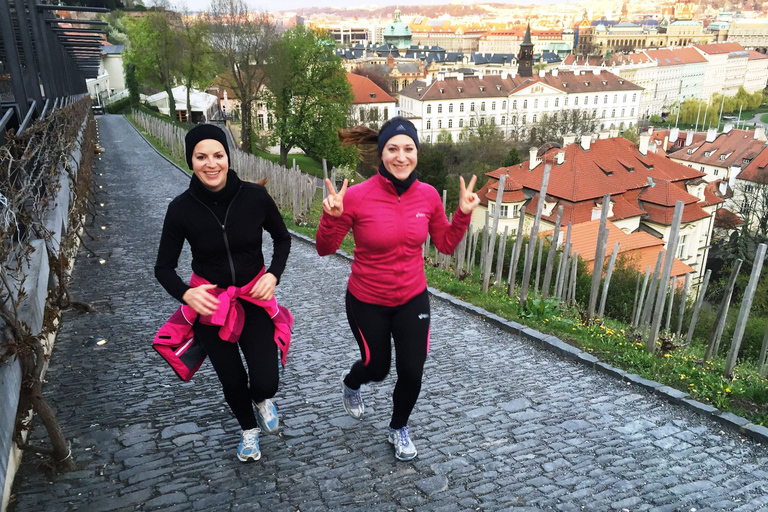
(500, 425)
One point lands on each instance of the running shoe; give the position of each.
(404, 447)
(353, 400)
(266, 415)
(248, 449)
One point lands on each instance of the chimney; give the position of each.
(513, 74)
(441, 76)
(554, 73)
(596, 72)
(666, 143)
(722, 187)
(603, 134)
(480, 75)
(689, 138)
(760, 133)
(586, 141)
(727, 128)
(428, 79)
(504, 75)
(560, 157)
(613, 133)
(533, 160)
(542, 73)
(711, 135)
(643, 143)
(568, 138)
(674, 134)
(460, 77)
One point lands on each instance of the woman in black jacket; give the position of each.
(221, 217)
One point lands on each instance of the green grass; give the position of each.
(612, 342)
(764, 118)
(157, 143)
(307, 164)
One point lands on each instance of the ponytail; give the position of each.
(365, 139)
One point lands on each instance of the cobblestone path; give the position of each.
(500, 424)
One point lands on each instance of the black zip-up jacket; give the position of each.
(224, 231)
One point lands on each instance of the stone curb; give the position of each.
(559, 347)
(553, 344)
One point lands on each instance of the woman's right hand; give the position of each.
(334, 204)
(200, 300)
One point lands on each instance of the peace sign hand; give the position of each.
(468, 200)
(334, 204)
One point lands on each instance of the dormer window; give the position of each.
(708, 153)
(459, 88)
(690, 151)
(498, 87)
(442, 91)
(745, 161)
(373, 95)
(723, 157)
(482, 88)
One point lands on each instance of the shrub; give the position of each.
(120, 106)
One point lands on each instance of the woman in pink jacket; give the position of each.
(390, 215)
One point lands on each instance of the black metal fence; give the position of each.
(44, 60)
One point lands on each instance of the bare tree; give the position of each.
(553, 126)
(242, 39)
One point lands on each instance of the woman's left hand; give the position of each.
(264, 287)
(468, 200)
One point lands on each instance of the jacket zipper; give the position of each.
(224, 230)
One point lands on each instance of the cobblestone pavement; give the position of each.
(500, 424)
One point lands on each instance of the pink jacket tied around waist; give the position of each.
(175, 339)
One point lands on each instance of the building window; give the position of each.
(576, 101)
(565, 101)
(439, 123)
(504, 105)
(748, 188)
(717, 171)
(503, 119)
(482, 106)
(634, 97)
(514, 104)
(504, 211)
(439, 109)
(261, 121)
(605, 99)
(514, 120)
(472, 107)
(493, 105)
(429, 124)
(461, 107)
(632, 113)
(535, 118)
(386, 112)
(603, 116)
(615, 98)
(523, 119)
(625, 99)
(613, 113)
(622, 112)
(450, 107)
(429, 138)
(682, 250)
(362, 115)
(525, 103)
(557, 102)
(482, 121)
(461, 123)
(515, 210)
(429, 109)
(269, 121)
(450, 123)
(702, 168)
(536, 103)
(472, 121)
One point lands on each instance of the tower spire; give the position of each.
(525, 57)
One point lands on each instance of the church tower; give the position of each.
(525, 57)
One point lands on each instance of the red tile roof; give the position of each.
(366, 91)
(719, 48)
(640, 248)
(757, 170)
(666, 193)
(726, 219)
(736, 146)
(675, 56)
(755, 55)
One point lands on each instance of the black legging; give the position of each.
(373, 327)
(260, 351)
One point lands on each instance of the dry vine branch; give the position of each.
(30, 172)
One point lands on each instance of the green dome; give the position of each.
(397, 28)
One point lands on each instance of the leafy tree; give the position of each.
(512, 158)
(197, 63)
(444, 137)
(631, 134)
(154, 51)
(241, 40)
(131, 83)
(116, 29)
(310, 95)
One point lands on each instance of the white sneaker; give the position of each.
(404, 447)
(248, 449)
(266, 416)
(352, 399)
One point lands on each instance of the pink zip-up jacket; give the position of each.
(389, 231)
